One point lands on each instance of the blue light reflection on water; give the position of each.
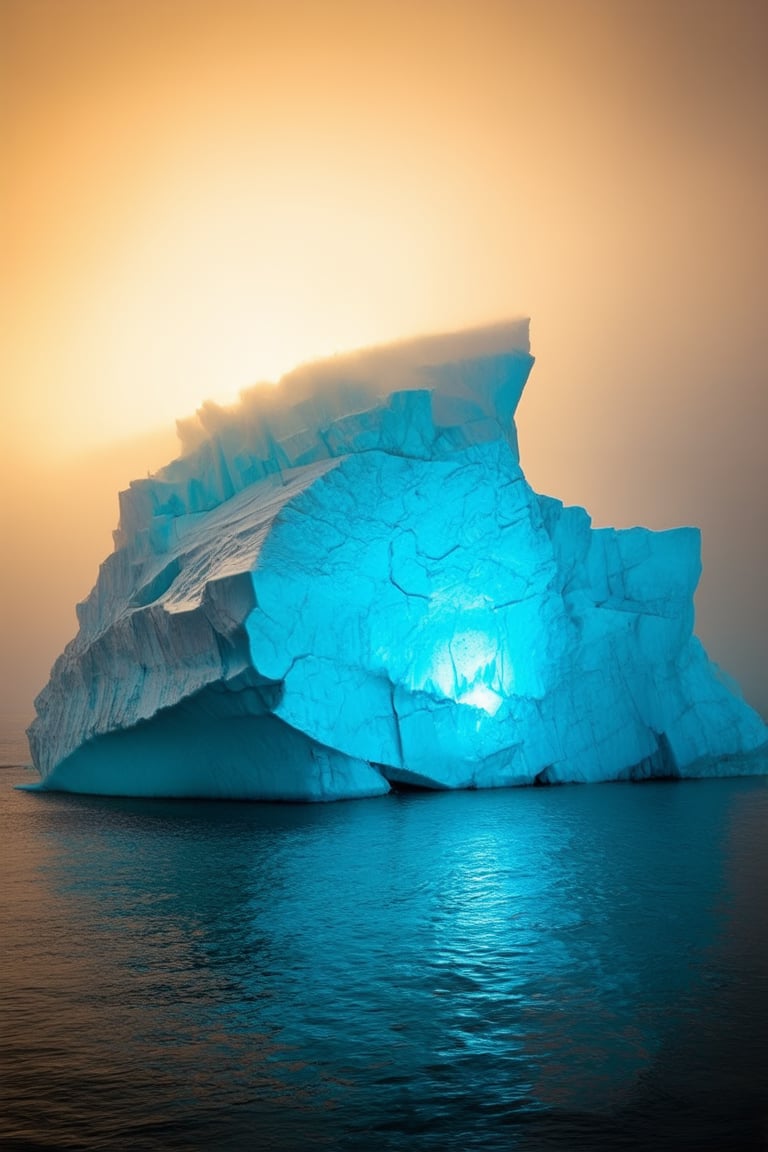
(574, 967)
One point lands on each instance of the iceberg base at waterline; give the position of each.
(346, 584)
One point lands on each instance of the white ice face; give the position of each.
(347, 582)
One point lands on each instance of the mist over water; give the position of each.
(14, 748)
(530, 969)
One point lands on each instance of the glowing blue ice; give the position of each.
(347, 582)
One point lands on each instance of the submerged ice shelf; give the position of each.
(346, 582)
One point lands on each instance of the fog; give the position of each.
(202, 195)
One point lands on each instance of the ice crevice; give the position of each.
(345, 583)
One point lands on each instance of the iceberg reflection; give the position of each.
(472, 963)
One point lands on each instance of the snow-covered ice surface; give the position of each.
(346, 582)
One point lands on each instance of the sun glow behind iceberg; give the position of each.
(346, 581)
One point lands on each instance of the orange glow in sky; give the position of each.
(205, 194)
(198, 194)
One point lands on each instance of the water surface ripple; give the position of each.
(564, 968)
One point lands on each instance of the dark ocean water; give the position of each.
(565, 968)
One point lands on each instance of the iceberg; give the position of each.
(345, 584)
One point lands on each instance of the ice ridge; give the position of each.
(346, 584)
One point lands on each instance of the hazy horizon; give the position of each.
(199, 195)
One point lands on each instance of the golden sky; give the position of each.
(197, 194)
